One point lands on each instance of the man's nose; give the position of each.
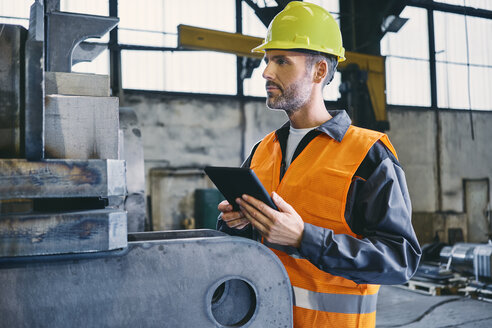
(268, 73)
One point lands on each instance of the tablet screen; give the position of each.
(233, 182)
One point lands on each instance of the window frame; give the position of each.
(115, 47)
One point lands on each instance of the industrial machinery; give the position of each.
(463, 268)
(67, 201)
(474, 261)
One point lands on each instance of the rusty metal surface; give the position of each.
(66, 30)
(61, 178)
(34, 111)
(58, 233)
(11, 92)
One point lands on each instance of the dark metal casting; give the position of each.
(34, 110)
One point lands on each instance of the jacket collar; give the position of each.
(336, 127)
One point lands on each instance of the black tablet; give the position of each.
(233, 182)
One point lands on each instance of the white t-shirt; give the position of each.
(295, 136)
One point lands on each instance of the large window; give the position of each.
(150, 59)
(463, 58)
(15, 12)
(154, 23)
(482, 4)
(463, 61)
(407, 61)
(206, 72)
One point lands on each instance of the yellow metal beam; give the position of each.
(191, 37)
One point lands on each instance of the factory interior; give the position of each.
(110, 110)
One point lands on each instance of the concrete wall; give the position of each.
(462, 156)
(413, 133)
(184, 132)
(442, 206)
(191, 132)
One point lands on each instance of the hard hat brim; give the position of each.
(284, 45)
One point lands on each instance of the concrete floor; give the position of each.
(398, 307)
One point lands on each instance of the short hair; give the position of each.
(314, 57)
(331, 60)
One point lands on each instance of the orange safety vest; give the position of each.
(316, 184)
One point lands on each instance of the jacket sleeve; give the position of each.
(380, 212)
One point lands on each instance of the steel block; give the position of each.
(77, 84)
(58, 233)
(80, 127)
(61, 178)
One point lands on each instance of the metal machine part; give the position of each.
(482, 261)
(470, 258)
(193, 278)
(87, 52)
(67, 30)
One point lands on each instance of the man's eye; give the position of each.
(281, 61)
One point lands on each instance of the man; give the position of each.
(343, 224)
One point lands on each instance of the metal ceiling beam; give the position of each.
(462, 10)
(266, 14)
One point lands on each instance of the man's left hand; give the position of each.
(283, 227)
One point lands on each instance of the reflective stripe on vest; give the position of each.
(339, 303)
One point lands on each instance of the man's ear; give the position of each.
(320, 71)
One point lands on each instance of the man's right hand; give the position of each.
(233, 219)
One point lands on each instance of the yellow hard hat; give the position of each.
(303, 25)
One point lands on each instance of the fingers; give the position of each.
(233, 219)
(284, 227)
(224, 206)
(238, 224)
(255, 215)
(232, 215)
(258, 204)
(282, 205)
